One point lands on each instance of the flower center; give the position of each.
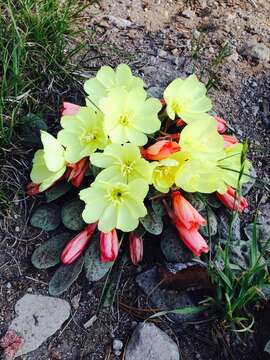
(123, 120)
(117, 195)
(127, 168)
(88, 136)
(177, 108)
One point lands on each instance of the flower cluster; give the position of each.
(138, 142)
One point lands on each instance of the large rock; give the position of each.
(162, 298)
(256, 51)
(148, 342)
(38, 317)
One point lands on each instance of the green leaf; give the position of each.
(262, 234)
(158, 207)
(57, 191)
(173, 248)
(196, 201)
(48, 254)
(64, 276)
(46, 217)
(208, 214)
(94, 268)
(72, 215)
(152, 222)
(30, 129)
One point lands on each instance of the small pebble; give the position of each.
(117, 353)
(8, 285)
(117, 344)
(17, 229)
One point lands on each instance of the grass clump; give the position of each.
(35, 54)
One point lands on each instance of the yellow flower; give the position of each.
(82, 133)
(164, 174)
(49, 164)
(128, 116)
(115, 205)
(187, 99)
(122, 163)
(230, 166)
(201, 140)
(107, 79)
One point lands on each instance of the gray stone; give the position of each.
(119, 22)
(256, 51)
(38, 317)
(117, 345)
(188, 13)
(151, 343)
(155, 91)
(162, 298)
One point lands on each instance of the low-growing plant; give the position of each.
(133, 160)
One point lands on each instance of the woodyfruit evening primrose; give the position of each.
(107, 79)
(129, 116)
(49, 164)
(187, 99)
(121, 143)
(122, 163)
(82, 133)
(115, 205)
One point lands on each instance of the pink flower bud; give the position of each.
(185, 213)
(108, 246)
(192, 239)
(160, 150)
(135, 248)
(229, 140)
(69, 109)
(231, 200)
(32, 189)
(77, 245)
(221, 125)
(76, 172)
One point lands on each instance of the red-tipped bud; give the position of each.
(221, 125)
(76, 172)
(135, 248)
(77, 245)
(229, 140)
(160, 150)
(231, 200)
(69, 109)
(163, 102)
(185, 213)
(180, 122)
(32, 189)
(192, 239)
(108, 246)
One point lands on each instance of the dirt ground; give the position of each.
(156, 38)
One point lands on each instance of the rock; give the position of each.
(151, 343)
(188, 13)
(162, 53)
(224, 219)
(38, 317)
(253, 50)
(162, 298)
(119, 22)
(117, 345)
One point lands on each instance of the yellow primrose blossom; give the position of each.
(164, 174)
(122, 163)
(49, 164)
(82, 133)
(198, 176)
(115, 205)
(201, 140)
(187, 99)
(230, 166)
(128, 116)
(107, 79)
